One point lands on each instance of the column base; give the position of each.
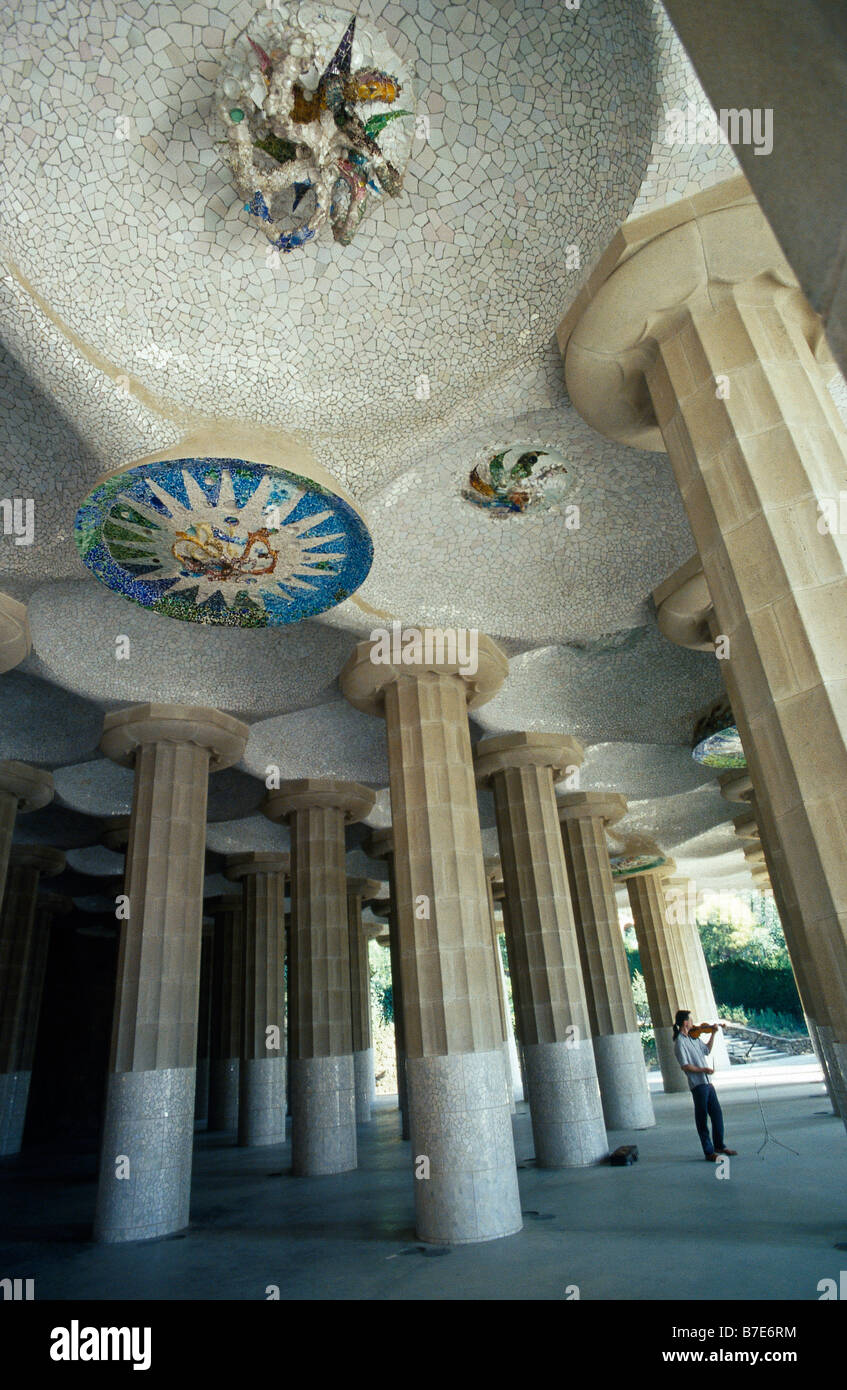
(323, 1115)
(565, 1105)
(673, 1077)
(510, 1089)
(363, 1073)
(623, 1081)
(223, 1093)
(720, 1054)
(461, 1124)
(14, 1095)
(261, 1101)
(835, 1055)
(149, 1124)
(516, 1070)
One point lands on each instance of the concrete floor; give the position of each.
(665, 1228)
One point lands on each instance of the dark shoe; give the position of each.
(711, 1158)
(732, 1152)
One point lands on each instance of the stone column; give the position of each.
(666, 981)
(462, 1147)
(681, 908)
(701, 341)
(22, 789)
(23, 956)
(738, 787)
(381, 846)
(323, 1096)
(605, 972)
(685, 615)
(493, 877)
(148, 1128)
(227, 998)
(204, 1020)
(360, 996)
(262, 1069)
(47, 907)
(564, 1095)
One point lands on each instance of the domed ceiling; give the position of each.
(139, 304)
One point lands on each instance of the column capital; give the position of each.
(15, 640)
(127, 730)
(684, 609)
(503, 751)
(31, 786)
(49, 862)
(380, 843)
(610, 807)
(381, 662)
(319, 793)
(735, 785)
(239, 866)
(746, 826)
(365, 888)
(114, 833)
(681, 259)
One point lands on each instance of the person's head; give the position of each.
(682, 1023)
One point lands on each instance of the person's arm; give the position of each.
(697, 1071)
(712, 1037)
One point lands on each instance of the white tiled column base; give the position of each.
(363, 1072)
(323, 1115)
(261, 1101)
(14, 1093)
(149, 1120)
(461, 1122)
(564, 1099)
(623, 1081)
(223, 1093)
(673, 1077)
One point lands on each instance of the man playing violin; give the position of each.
(693, 1057)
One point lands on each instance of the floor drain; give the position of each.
(539, 1215)
(840, 1245)
(430, 1251)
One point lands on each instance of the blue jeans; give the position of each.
(707, 1107)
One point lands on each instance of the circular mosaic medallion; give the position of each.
(223, 541)
(722, 750)
(625, 865)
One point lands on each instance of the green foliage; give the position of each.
(382, 1001)
(780, 1024)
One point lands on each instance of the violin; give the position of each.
(703, 1028)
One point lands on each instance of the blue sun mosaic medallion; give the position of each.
(223, 541)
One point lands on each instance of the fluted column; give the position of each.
(323, 1097)
(227, 1008)
(605, 972)
(145, 1166)
(701, 341)
(564, 1095)
(494, 874)
(381, 846)
(204, 1020)
(23, 947)
(462, 1147)
(262, 1068)
(681, 914)
(738, 787)
(666, 981)
(360, 996)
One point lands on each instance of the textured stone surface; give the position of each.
(461, 1123)
(149, 1121)
(323, 1115)
(564, 1097)
(621, 1074)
